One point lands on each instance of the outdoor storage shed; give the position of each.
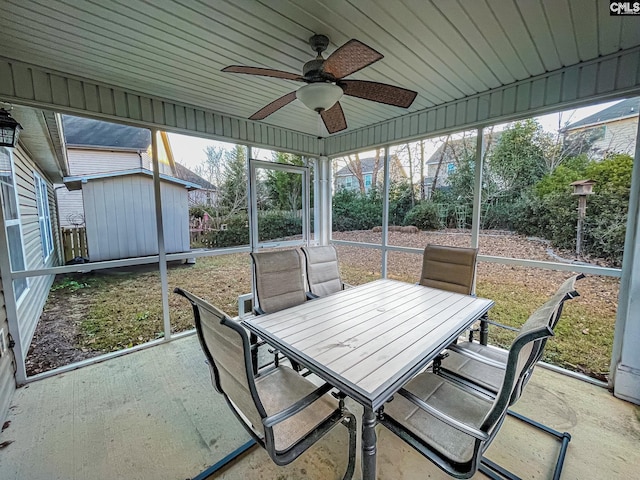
(120, 216)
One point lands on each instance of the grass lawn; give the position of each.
(115, 310)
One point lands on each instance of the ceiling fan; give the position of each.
(326, 84)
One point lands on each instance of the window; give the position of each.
(348, 182)
(367, 182)
(44, 216)
(12, 226)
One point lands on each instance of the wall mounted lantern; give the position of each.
(9, 129)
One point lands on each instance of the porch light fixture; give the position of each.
(319, 96)
(9, 129)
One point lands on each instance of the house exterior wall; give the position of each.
(121, 222)
(85, 161)
(619, 136)
(31, 304)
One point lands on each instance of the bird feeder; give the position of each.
(581, 188)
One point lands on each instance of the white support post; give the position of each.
(162, 253)
(11, 308)
(322, 204)
(477, 191)
(385, 209)
(252, 214)
(625, 361)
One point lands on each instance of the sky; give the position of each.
(189, 151)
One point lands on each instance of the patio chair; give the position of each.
(483, 368)
(449, 268)
(323, 273)
(485, 365)
(452, 425)
(282, 411)
(279, 284)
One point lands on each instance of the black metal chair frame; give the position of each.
(340, 416)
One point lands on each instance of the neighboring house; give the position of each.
(446, 159)
(110, 190)
(29, 215)
(205, 195)
(612, 130)
(346, 177)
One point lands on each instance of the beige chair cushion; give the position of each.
(449, 268)
(279, 282)
(280, 389)
(447, 398)
(323, 273)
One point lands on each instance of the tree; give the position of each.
(211, 168)
(233, 190)
(518, 160)
(285, 188)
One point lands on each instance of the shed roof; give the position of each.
(75, 183)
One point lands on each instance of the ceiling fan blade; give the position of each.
(265, 72)
(334, 118)
(379, 92)
(349, 58)
(273, 106)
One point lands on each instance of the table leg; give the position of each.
(368, 444)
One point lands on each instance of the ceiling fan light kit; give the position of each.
(319, 96)
(325, 84)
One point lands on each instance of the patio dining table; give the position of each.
(368, 341)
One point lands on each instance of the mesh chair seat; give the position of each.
(449, 399)
(282, 387)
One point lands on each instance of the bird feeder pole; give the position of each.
(581, 188)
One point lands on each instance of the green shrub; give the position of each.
(277, 225)
(424, 216)
(352, 210)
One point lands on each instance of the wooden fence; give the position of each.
(74, 243)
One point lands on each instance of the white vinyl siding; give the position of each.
(12, 219)
(30, 308)
(120, 217)
(84, 161)
(44, 216)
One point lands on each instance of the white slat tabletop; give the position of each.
(368, 340)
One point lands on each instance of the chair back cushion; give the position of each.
(323, 273)
(279, 282)
(227, 351)
(449, 268)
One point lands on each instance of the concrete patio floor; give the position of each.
(153, 414)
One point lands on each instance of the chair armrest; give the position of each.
(507, 327)
(301, 404)
(258, 311)
(457, 424)
(311, 296)
(476, 356)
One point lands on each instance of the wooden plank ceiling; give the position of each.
(174, 49)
